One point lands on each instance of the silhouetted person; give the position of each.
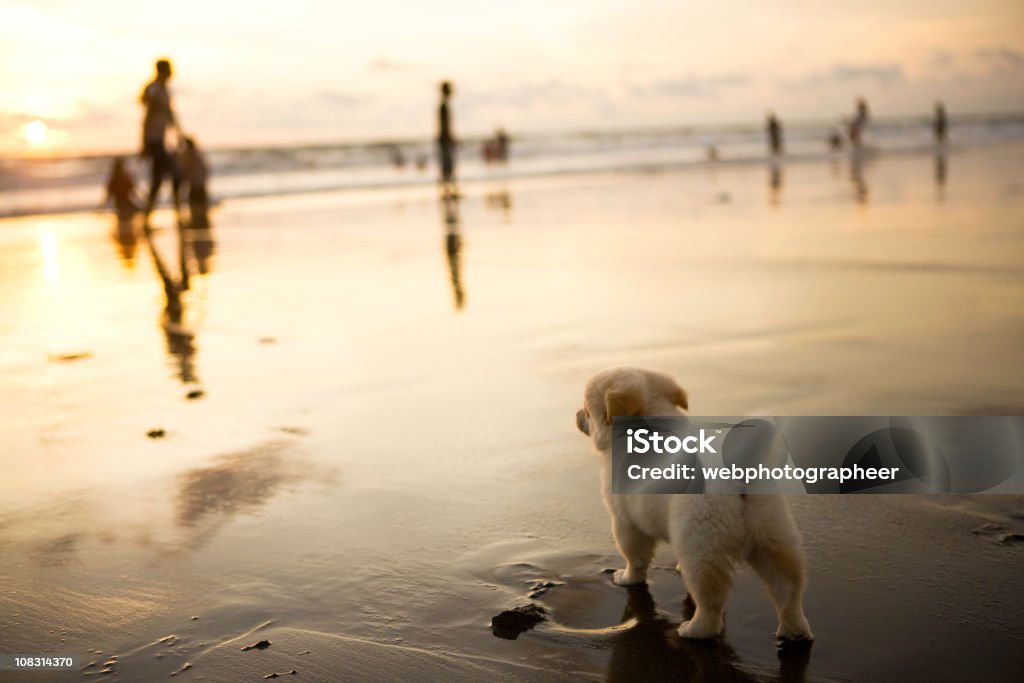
(199, 240)
(195, 175)
(712, 153)
(156, 98)
(863, 115)
(121, 191)
(859, 123)
(774, 130)
(940, 124)
(495, 150)
(835, 141)
(489, 151)
(446, 140)
(501, 143)
(397, 156)
(453, 247)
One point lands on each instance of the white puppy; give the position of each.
(709, 533)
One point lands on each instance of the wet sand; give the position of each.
(383, 455)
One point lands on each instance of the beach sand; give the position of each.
(384, 455)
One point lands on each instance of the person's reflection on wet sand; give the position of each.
(453, 247)
(499, 200)
(860, 186)
(941, 174)
(183, 266)
(180, 340)
(651, 651)
(126, 237)
(202, 246)
(774, 184)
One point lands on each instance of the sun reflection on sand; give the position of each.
(48, 250)
(66, 302)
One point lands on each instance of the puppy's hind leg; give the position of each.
(781, 568)
(708, 583)
(637, 549)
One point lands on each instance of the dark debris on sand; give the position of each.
(156, 433)
(260, 645)
(286, 673)
(512, 622)
(298, 431)
(67, 357)
(194, 394)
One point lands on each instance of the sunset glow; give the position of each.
(369, 71)
(34, 133)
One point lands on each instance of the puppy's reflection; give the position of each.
(453, 247)
(651, 651)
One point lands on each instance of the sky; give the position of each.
(297, 71)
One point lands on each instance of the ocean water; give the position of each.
(76, 183)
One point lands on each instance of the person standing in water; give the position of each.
(446, 141)
(121, 191)
(156, 98)
(941, 124)
(859, 123)
(774, 129)
(195, 175)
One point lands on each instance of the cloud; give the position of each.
(88, 116)
(382, 64)
(942, 59)
(529, 94)
(1000, 57)
(339, 98)
(690, 86)
(881, 73)
(12, 121)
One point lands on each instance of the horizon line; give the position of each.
(800, 124)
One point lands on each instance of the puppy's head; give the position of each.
(626, 392)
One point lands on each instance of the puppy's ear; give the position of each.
(680, 399)
(622, 403)
(670, 389)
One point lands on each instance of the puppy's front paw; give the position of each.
(624, 577)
